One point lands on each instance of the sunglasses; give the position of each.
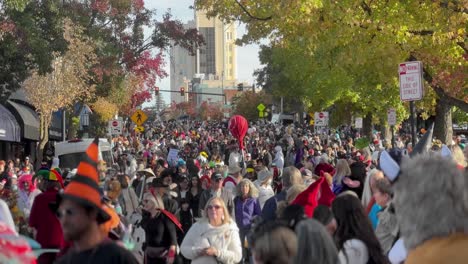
(67, 212)
(212, 207)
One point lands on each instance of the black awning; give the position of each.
(10, 130)
(27, 118)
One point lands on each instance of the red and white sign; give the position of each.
(411, 81)
(115, 127)
(321, 119)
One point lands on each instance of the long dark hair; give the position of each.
(190, 185)
(352, 223)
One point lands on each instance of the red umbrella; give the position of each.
(238, 126)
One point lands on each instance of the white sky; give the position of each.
(247, 56)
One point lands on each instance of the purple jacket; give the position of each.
(245, 210)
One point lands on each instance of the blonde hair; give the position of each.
(342, 170)
(253, 191)
(226, 217)
(291, 195)
(291, 176)
(155, 199)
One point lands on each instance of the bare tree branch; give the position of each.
(252, 16)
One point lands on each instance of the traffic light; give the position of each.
(156, 91)
(182, 91)
(240, 87)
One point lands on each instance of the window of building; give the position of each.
(229, 35)
(230, 60)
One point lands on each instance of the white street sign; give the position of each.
(115, 127)
(391, 116)
(358, 122)
(411, 81)
(321, 119)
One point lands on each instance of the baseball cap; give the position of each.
(216, 176)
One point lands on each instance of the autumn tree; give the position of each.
(128, 62)
(246, 104)
(68, 81)
(336, 50)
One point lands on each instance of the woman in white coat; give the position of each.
(215, 238)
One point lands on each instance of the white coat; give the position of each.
(224, 238)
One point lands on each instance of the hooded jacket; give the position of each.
(224, 238)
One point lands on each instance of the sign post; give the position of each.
(391, 118)
(411, 89)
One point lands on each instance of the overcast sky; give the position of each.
(247, 56)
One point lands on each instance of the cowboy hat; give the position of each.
(233, 169)
(148, 172)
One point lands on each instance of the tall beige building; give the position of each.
(216, 61)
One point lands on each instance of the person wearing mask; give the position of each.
(291, 177)
(216, 190)
(215, 238)
(46, 226)
(246, 207)
(80, 212)
(263, 184)
(315, 245)
(160, 231)
(354, 236)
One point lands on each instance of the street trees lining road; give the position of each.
(330, 50)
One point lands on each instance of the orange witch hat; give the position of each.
(84, 186)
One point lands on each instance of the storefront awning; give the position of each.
(27, 118)
(9, 128)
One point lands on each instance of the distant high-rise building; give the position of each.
(215, 61)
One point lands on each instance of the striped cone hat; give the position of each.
(84, 186)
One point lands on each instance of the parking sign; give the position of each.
(411, 81)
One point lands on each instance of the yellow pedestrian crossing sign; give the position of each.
(139, 117)
(261, 107)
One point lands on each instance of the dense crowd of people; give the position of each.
(189, 192)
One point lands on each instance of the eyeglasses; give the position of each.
(212, 207)
(66, 212)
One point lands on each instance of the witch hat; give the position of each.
(424, 144)
(308, 198)
(84, 186)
